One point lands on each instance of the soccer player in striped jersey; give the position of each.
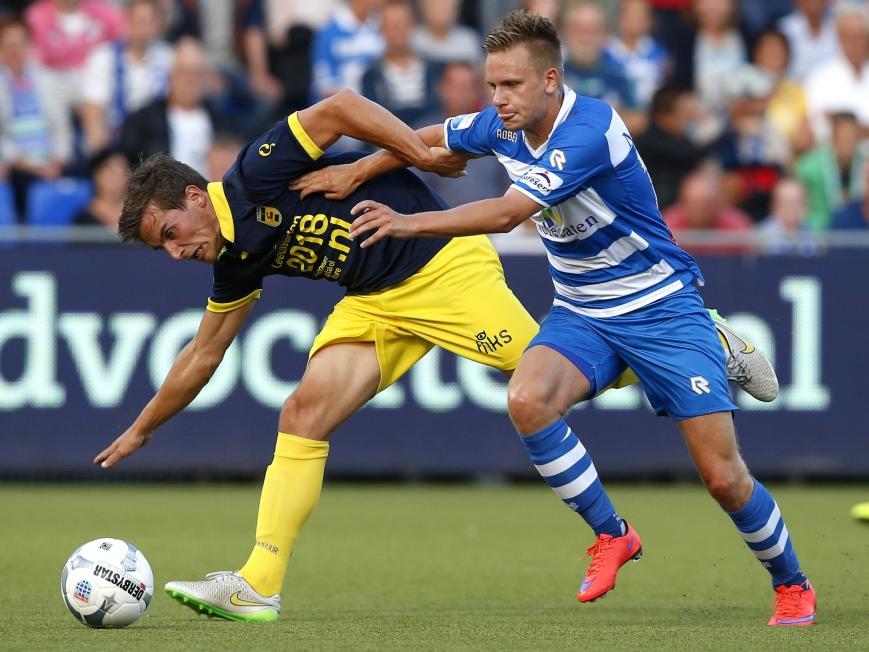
(625, 296)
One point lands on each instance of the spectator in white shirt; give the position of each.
(811, 33)
(125, 75)
(841, 84)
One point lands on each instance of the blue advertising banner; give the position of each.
(87, 333)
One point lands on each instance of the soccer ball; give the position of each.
(107, 583)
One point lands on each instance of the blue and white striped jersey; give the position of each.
(609, 250)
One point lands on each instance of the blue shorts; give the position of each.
(671, 345)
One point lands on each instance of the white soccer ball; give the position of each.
(107, 583)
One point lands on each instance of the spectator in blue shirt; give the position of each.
(345, 47)
(853, 216)
(590, 71)
(645, 60)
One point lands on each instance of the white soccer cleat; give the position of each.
(226, 595)
(746, 365)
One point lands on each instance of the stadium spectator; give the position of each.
(853, 216)
(785, 231)
(461, 92)
(833, 173)
(249, 93)
(550, 9)
(644, 59)
(221, 155)
(182, 124)
(811, 31)
(401, 81)
(35, 132)
(719, 50)
(842, 82)
(345, 47)
(701, 209)
(754, 150)
(290, 26)
(666, 148)
(109, 172)
(125, 75)
(440, 39)
(786, 106)
(591, 71)
(64, 33)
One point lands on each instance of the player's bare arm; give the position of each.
(339, 181)
(348, 114)
(498, 215)
(191, 371)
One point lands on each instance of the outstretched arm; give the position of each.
(498, 215)
(193, 368)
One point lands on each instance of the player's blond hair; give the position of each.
(537, 33)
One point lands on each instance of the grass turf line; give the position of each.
(415, 567)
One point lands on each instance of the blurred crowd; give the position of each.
(751, 115)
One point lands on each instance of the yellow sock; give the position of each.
(290, 493)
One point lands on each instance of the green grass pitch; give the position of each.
(443, 567)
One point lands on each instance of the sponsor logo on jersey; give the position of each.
(542, 180)
(557, 159)
(462, 121)
(488, 344)
(269, 216)
(506, 134)
(265, 149)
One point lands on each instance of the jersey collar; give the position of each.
(566, 105)
(221, 209)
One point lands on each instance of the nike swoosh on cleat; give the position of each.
(585, 584)
(241, 602)
(631, 543)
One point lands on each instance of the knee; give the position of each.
(528, 407)
(301, 417)
(730, 485)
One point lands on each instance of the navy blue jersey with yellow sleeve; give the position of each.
(269, 230)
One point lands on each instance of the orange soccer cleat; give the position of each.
(608, 554)
(794, 606)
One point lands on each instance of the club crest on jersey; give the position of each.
(463, 121)
(542, 180)
(269, 215)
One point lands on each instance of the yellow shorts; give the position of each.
(459, 301)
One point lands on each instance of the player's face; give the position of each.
(519, 90)
(191, 233)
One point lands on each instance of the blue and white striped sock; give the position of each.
(564, 463)
(761, 524)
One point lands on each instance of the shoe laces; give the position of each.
(598, 552)
(737, 369)
(220, 575)
(788, 602)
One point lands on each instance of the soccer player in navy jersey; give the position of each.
(625, 296)
(403, 297)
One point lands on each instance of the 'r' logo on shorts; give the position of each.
(700, 385)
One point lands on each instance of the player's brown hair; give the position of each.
(159, 181)
(521, 27)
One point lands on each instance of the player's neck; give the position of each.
(537, 134)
